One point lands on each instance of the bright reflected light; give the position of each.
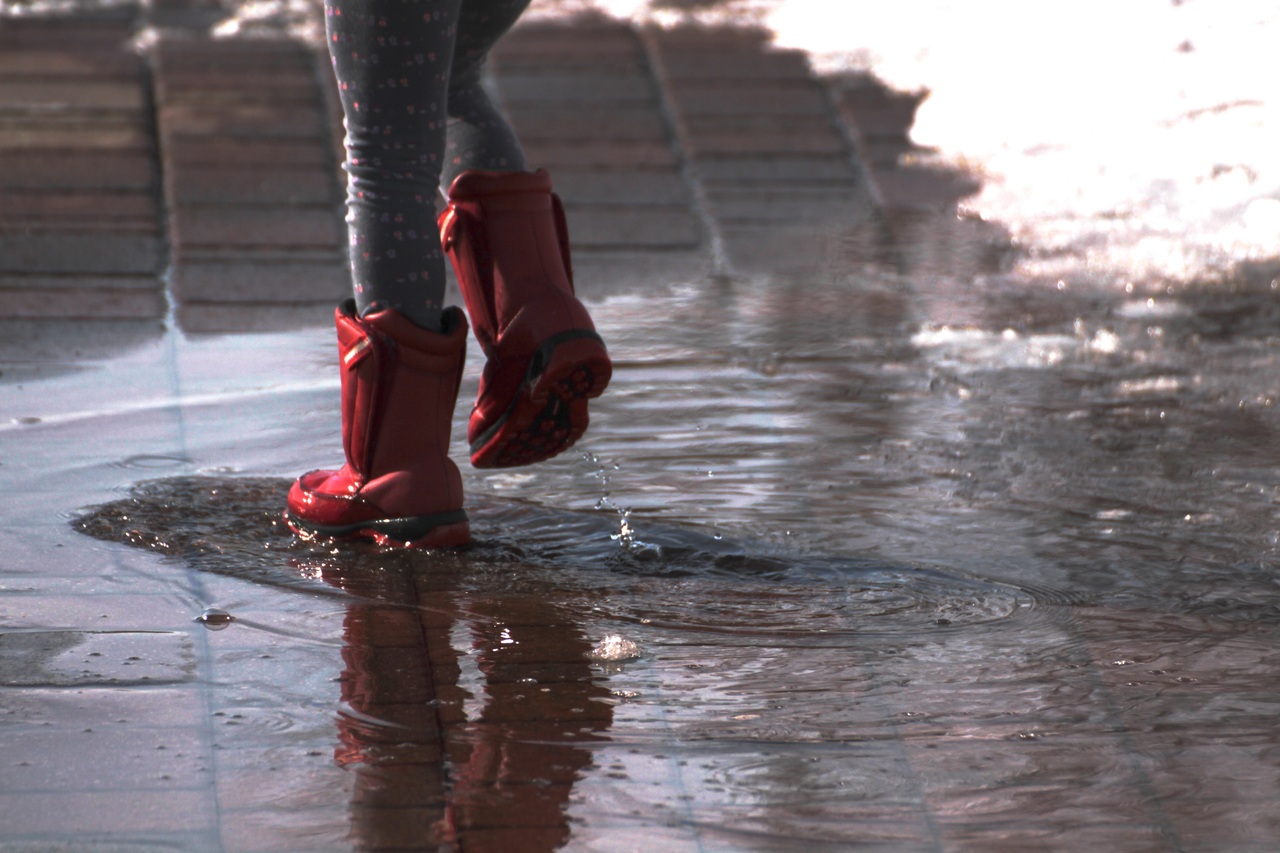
(1136, 140)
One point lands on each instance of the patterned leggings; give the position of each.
(408, 74)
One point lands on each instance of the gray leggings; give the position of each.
(408, 74)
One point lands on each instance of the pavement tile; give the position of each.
(524, 703)
(612, 155)
(190, 184)
(79, 170)
(230, 153)
(769, 203)
(53, 345)
(100, 96)
(752, 61)
(258, 779)
(557, 41)
(571, 123)
(67, 301)
(54, 63)
(237, 70)
(126, 612)
(88, 253)
(621, 228)
(215, 319)
(232, 54)
(103, 758)
(615, 60)
(267, 828)
(586, 187)
(78, 133)
(776, 140)
(778, 100)
(796, 249)
(228, 226)
(103, 817)
(168, 708)
(246, 282)
(110, 31)
(414, 719)
(120, 283)
(780, 168)
(71, 205)
(589, 88)
(252, 121)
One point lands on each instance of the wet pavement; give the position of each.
(877, 542)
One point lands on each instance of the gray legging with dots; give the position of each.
(408, 73)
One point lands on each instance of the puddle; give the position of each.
(945, 551)
(843, 549)
(84, 658)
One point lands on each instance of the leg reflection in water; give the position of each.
(467, 718)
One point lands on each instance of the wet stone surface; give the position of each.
(883, 537)
(72, 658)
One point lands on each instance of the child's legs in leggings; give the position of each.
(479, 136)
(393, 60)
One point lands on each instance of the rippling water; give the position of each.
(889, 581)
(936, 554)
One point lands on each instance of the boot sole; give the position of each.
(440, 530)
(549, 412)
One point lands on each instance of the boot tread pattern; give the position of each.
(550, 413)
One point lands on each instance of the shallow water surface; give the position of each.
(882, 538)
(879, 581)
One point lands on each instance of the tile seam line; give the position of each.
(152, 70)
(678, 139)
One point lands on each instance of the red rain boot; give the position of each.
(506, 236)
(399, 486)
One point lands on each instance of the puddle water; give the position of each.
(879, 579)
(948, 553)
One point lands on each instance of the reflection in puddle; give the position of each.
(473, 698)
(693, 664)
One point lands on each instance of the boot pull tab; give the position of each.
(448, 233)
(357, 353)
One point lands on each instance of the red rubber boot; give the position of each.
(399, 486)
(506, 236)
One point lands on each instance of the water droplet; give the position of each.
(215, 619)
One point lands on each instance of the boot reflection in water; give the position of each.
(438, 765)
(408, 72)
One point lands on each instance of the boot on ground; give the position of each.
(399, 387)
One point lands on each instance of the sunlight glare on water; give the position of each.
(1135, 140)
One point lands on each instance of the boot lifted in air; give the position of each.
(506, 235)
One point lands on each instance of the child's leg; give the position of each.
(479, 136)
(400, 356)
(392, 59)
(506, 233)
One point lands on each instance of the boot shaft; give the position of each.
(399, 387)
(507, 237)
